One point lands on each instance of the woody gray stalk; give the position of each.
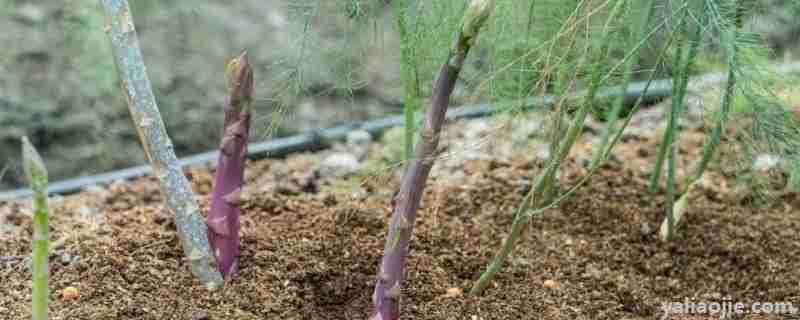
(391, 273)
(175, 187)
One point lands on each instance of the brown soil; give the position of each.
(314, 255)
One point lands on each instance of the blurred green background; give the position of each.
(317, 63)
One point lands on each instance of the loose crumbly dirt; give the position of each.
(311, 252)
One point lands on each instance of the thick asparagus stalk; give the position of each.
(223, 219)
(157, 145)
(386, 297)
(36, 174)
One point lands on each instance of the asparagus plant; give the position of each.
(684, 59)
(667, 147)
(675, 211)
(541, 197)
(391, 273)
(36, 173)
(180, 199)
(223, 219)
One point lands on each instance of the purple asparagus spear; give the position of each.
(386, 297)
(223, 219)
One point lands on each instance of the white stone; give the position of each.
(31, 13)
(525, 130)
(88, 212)
(339, 164)
(476, 129)
(764, 162)
(358, 143)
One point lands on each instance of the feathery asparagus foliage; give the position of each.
(406, 8)
(177, 191)
(609, 146)
(728, 37)
(543, 191)
(223, 218)
(391, 272)
(36, 173)
(764, 125)
(684, 59)
(529, 207)
(639, 32)
(552, 58)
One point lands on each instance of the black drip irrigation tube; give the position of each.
(322, 138)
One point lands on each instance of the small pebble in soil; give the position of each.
(766, 162)
(543, 152)
(65, 258)
(476, 129)
(453, 293)
(304, 181)
(200, 315)
(70, 293)
(358, 143)
(592, 272)
(523, 132)
(8, 229)
(524, 186)
(359, 194)
(55, 201)
(339, 164)
(645, 229)
(88, 212)
(551, 284)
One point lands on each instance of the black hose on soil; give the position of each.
(321, 139)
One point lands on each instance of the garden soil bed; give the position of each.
(311, 252)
